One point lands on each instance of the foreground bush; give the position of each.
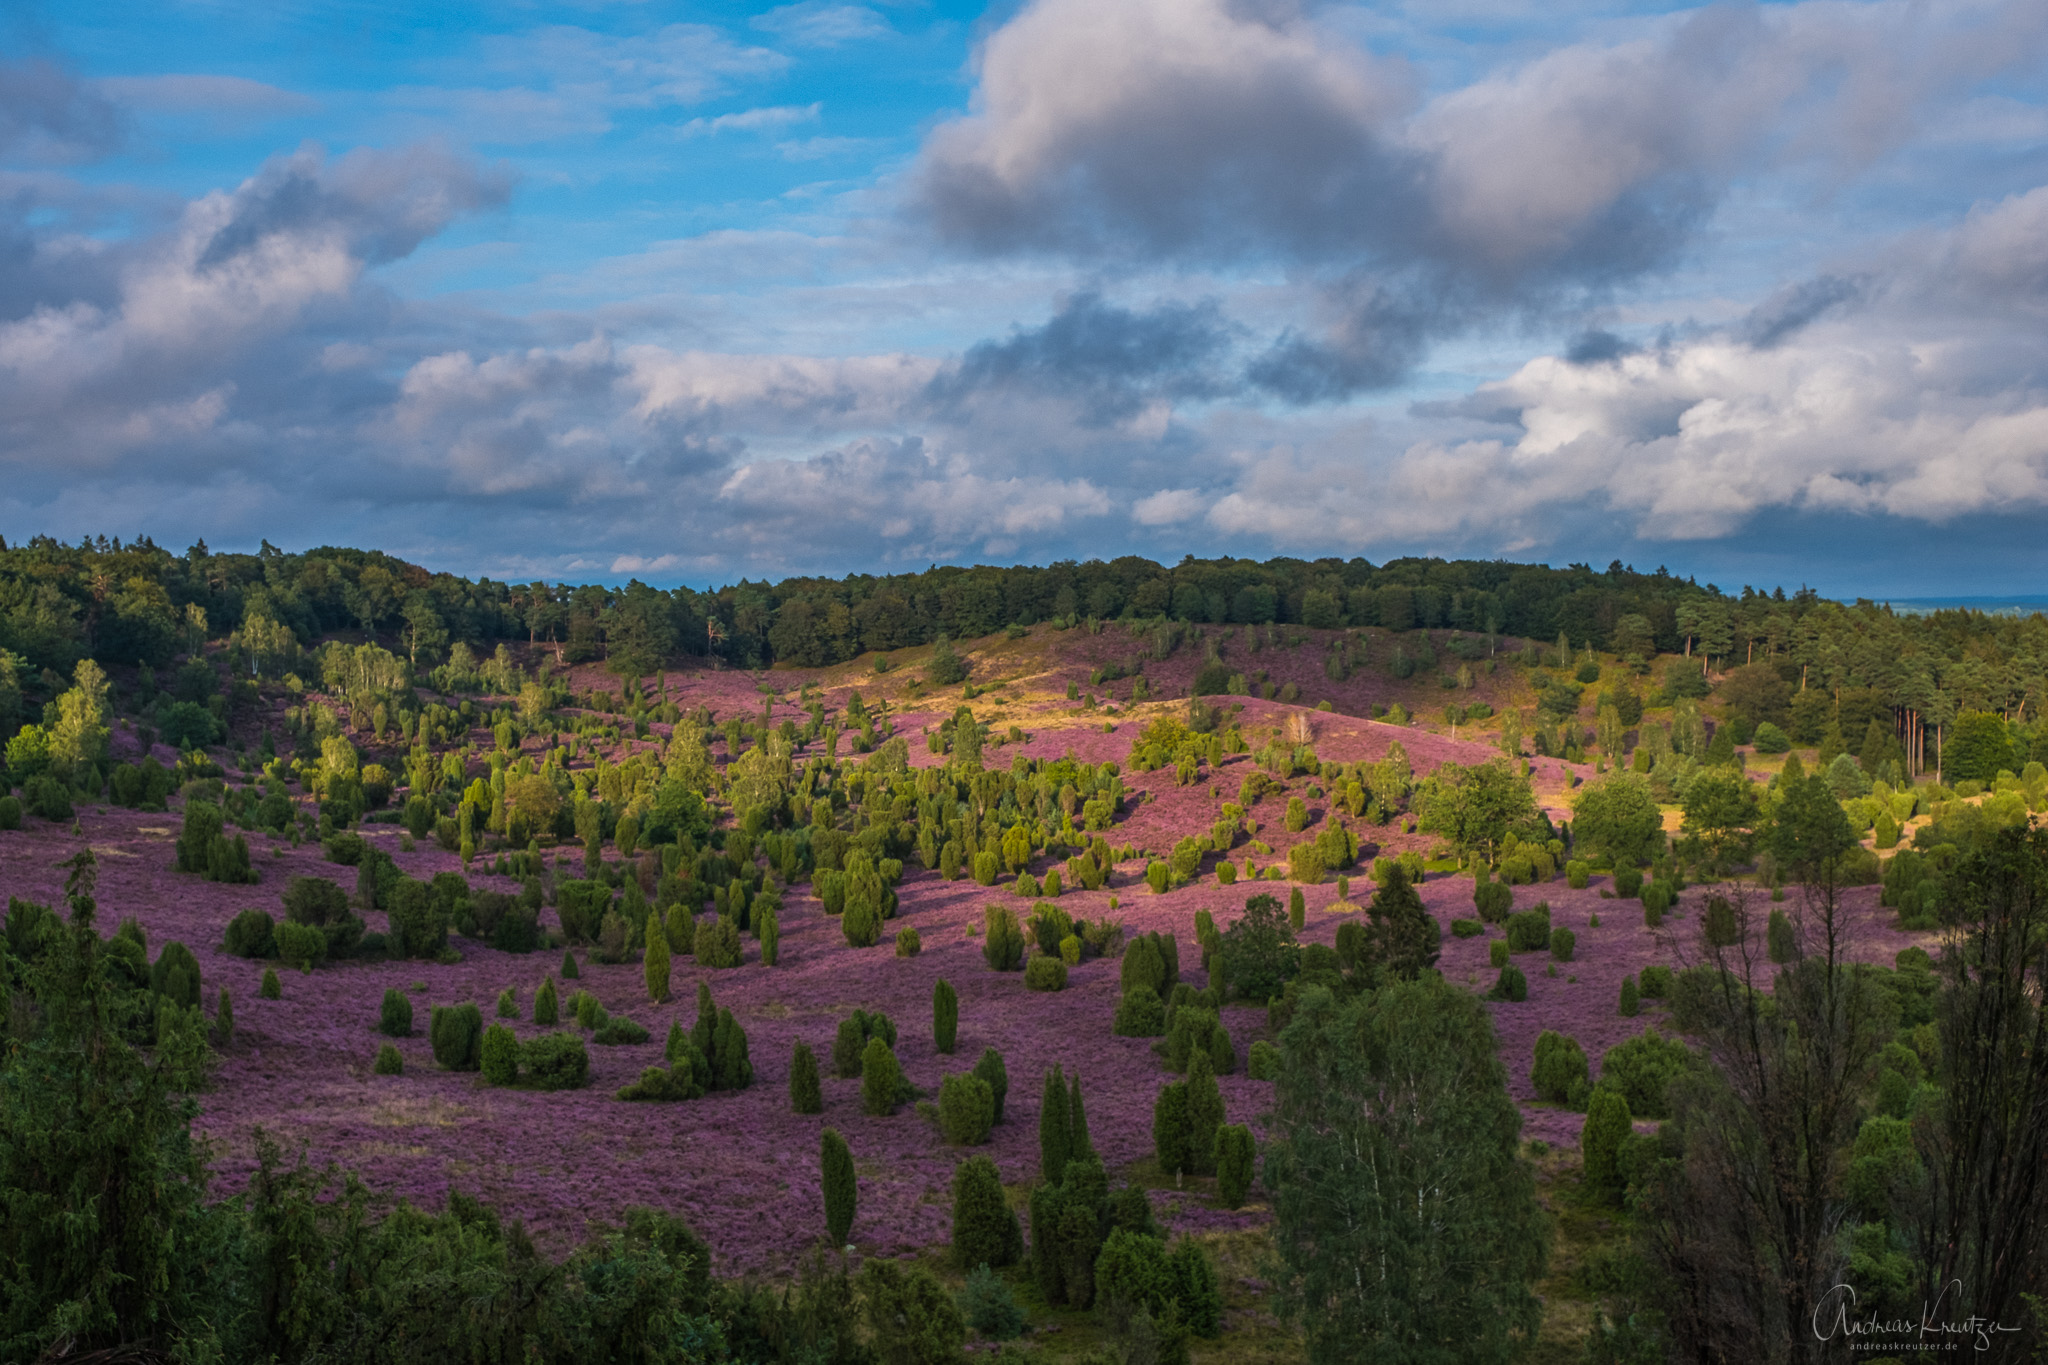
(555, 1061)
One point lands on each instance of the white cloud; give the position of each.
(1168, 507)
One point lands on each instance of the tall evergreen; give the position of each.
(1054, 1133)
(836, 1163)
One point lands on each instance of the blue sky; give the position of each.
(692, 292)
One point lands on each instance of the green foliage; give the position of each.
(991, 1069)
(1002, 944)
(1607, 1127)
(555, 1061)
(1559, 1072)
(836, 1160)
(390, 1061)
(989, 1307)
(1044, 973)
(985, 1230)
(1511, 986)
(910, 1318)
(1656, 983)
(1563, 944)
(1258, 950)
(806, 1096)
(1493, 900)
(1364, 1176)
(945, 1016)
(252, 933)
(394, 1017)
(1630, 1005)
(498, 1058)
(880, 1079)
(1139, 1014)
(1616, 817)
(1529, 931)
(456, 1034)
(301, 945)
(270, 989)
(1262, 1062)
(967, 1109)
(546, 1004)
(1642, 1068)
(1235, 1155)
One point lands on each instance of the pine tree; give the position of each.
(1205, 1113)
(1608, 1125)
(945, 1016)
(1079, 1147)
(547, 1006)
(985, 1228)
(656, 966)
(879, 1078)
(1054, 1132)
(836, 1162)
(805, 1094)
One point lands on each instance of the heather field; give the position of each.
(740, 1165)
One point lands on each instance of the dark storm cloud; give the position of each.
(1109, 360)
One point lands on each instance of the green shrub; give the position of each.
(837, 1175)
(989, 1307)
(1262, 1063)
(991, 1069)
(301, 945)
(1628, 882)
(1559, 1071)
(1642, 1068)
(546, 1004)
(555, 1061)
(1497, 953)
(1769, 739)
(46, 799)
(1784, 944)
(1631, 999)
(1608, 1125)
(1462, 928)
(1563, 943)
(908, 944)
(394, 1019)
(344, 847)
(456, 1034)
(1656, 983)
(1493, 900)
(1578, 874)
(1235, 1153)
(508, 1004)
(1002, 939)
(967, 1108)
(664, 1084)
(270, 989)
(1719, 923)
(945, 1016)
(252, 933)
(619, 1031)
(1157, 875)
(806, 1096)
(880, 1079)
(1512, 986)
(1529, 931)
(390, 1062)
(1139, 1014)
(498, 1058)
(1044, 973)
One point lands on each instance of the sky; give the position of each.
(598, 290)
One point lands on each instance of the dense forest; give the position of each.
(140, 604)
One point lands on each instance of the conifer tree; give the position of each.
(656, 966)
(836, 1161)
(1054, 1131)
(985, 1228)
(945, 1016)
(805, 1095)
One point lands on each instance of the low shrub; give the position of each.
(967, 1109)
(1235, 1160)
(390, 1062)
(252, 933)
(806, 1096)
(270, 989)
(1140, 1013)
(1656, 983)
(1563, 943)
(498, 1058)
(1493, 900)
(1002, 939)
(908, 944)
(1044, 973)
(1578, 874)
(555, 1061)
(456, 1034)
(301, 945)
(1529, 931)
(1559, 1071)
(1512, 986)
(1630, 1004)
(1497, 953)
(989, 1307)
(1642, 1068)
(394, 1019)
(1467, 928)
(619, 1031)
(1262, 1063)
(1628, 882)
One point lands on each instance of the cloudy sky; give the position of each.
(690, 292)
